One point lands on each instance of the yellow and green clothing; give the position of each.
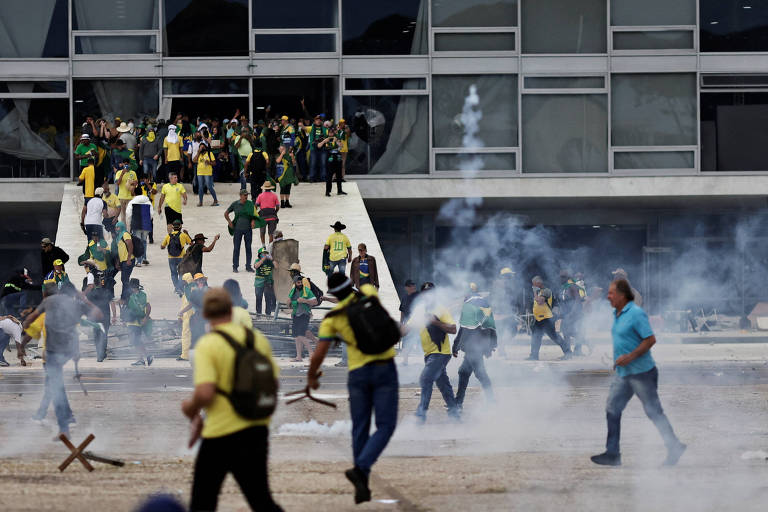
(338, 243)
(429, 346)
(264, 274)
(543, 311)
(99, 254)
(173, 150)
(300, 308)
(122, 247)
(88, 177)
(84, 151)
(128, 176)
(205, 163)
(173, 195)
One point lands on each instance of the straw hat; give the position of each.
(267, 186)
(123, 128)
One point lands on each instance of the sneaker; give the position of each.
(4, 363)
(199, 204)
(342, 194)
(149, 360)
(140, 362)
(249, 269)
(674, 454)
(532, 358)
(181, 359)
(607, 459)
(234, 269)
(137, 265)
(328, 194)
(145, 262)
(360, 481)
(215, 204)
(568, 355)
(341, 364)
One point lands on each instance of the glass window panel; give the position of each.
(475, 162)
(114, 15)
(210, 28)
(653, 40)
(733, 134)
(395, 27)
(124, 98)
(283, 95)
(205, 86)
(564, 82)
(653, 12)
(36, 138)
(499, 42)
(730, 27)
(653, 160)
(565, 133)
(474, 13)
(653, 109)
(101, 45)
(294, 43)
(564, 26)
(498, 104)
(10, 87)
(370, 84)
(31, 29)
(390, 134)
(295, 14)
(734, 80)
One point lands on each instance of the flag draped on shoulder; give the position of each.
(477, 313)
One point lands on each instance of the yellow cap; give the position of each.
(342, 120)
(284, 118)
(58, 262)
(199, 275)
(506, 270)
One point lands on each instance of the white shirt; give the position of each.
(130, 140)
(93, 211)
(12, 329)
(89, 279)
(193, 148)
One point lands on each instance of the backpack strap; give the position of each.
(235, 346)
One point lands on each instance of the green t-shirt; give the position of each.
(86, 150)
(300, 308)
(264, 274)
(243, 214)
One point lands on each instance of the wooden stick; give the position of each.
(76, 452)
(105, 460)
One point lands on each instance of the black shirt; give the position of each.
(406, 304)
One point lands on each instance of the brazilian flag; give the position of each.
(476, 313)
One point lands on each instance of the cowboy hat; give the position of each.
(123, 128)
(135, 282)
(295, 266)
(200, 236)
(187, 277)
(267, 186)
(338, 225)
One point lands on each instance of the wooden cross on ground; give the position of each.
(77, 453)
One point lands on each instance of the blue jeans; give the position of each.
(204, 182)
(143, 234)
(243, 183)
(372, 389)
(434, 373)
(126, 267)
(317, 158)
(54, 389)
(473, 362)
(239, 235)
(546, 326)
(340, 266)
(150, 167)
(645, 386)
(173, 264)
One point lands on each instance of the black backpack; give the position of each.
(138, 247)
(375, 331)
(174, 245)
(254, 388)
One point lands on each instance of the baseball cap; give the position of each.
(46, 241)
(176, 222)
(284, 118)
(58, 262)
(199, 275)
(98, 191)
(243, 192)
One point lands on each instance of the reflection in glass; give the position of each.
(101, 45)
(390, 134)
(295, 14)
(395, 27)
(474, 13)
(371, 84)
(498, 104)
(39, 29)
(733, 134)
(468, 161)
(564, 82)
(294, 43)
(730, 27)
(564, 26)
(653, 40)
(653, 160)
(126, 99)
(653, 12)
(205, 86)
(500, 42)
(54, 86)
(34, 137)
(565, 133)
(283, 96)
(114, 15)
(653, 109)
(205, 28)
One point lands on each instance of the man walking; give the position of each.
(339, 249)
(174, 195)
(363, 269)
(231, 443)
(176, 241)
(636, 374)
(544, 320)
(269, 205)
(139, 219)
(241, 228)
(317, 134)
(138, 322)
(372, 384)
(92, 215)
(264, 282)
(50, 253)
(406, 307)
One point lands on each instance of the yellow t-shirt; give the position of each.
(183, 239)
(122, 248)
(205, 164)
(338, 243)
(215, 364)
(338, 327)
(240, 316)
(174, 150)
(36, 331)
(100, 264)
(88, 176)
(173, 195)
(543, 311)
(125, 191)
(426, 341)
(113, 204)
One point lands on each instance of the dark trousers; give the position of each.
(434, 373)
(317, 158)
(301, 162)
(244, 454)
(54, 388)
(266, 292)
(126, 267)
(645, 385)
(100, 338)
(373, 389)
(546, 326)
(334, 169)
(240, 236)
(173, 266)
(473, 362)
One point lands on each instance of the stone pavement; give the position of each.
(308, 222)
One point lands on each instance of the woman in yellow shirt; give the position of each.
(205, 160)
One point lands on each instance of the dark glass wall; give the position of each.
(733, 134)
(733, 26)
(206, 28)
(395, 27)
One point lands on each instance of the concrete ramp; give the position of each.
(308, 222)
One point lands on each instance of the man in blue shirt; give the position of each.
(636, 374)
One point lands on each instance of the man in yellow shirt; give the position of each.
(339, 249)
(87, 178)
(112, 215)
(204, 158)
(231, 443)
(544, 322)
(372, 384)
(125, 181)
(172, 147)
(174, 195)
(436, 324)
(176, 241)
